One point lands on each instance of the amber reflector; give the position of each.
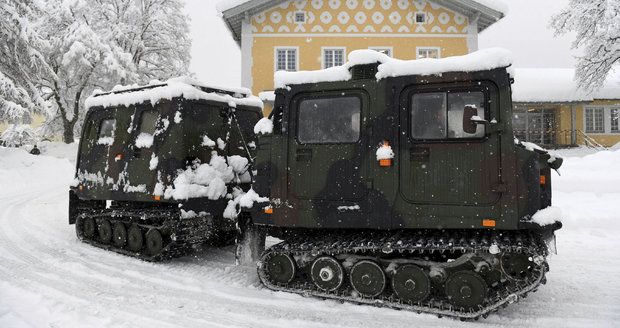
(385, 162)
(157, 198)
(488, 223)
(543, 179)
(269, 210)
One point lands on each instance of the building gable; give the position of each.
(362, 17)
(482, 13)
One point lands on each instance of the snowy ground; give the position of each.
(49, 279)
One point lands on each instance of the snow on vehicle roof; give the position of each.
(389, 67)
(185, 87)
(558, 85)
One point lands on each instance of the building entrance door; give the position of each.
(534, 125)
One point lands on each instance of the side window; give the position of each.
(428, 115)
(439, 115)
(107, 128)
(148, 122)
(329, 120)
(457, 102)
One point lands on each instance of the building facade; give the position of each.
(550, 109)
(316, 34)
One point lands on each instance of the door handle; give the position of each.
(419, 153)
(303, 155)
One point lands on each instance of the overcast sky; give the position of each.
(216, 57)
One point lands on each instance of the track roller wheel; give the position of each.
(154, 242)
(119, 234)
(327, 273)
(280, 268)
(89, 228)
(135, 241)
(411, 283)
(466, 289)
(367, 278)
(105, 231)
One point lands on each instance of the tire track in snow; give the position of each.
(288, 309)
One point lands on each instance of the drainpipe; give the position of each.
(573, 127)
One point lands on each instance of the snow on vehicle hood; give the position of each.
(485, 59)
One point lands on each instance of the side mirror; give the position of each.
(471, 119)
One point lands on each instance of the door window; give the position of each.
(107, 128)
(439, 115)
(148, 122)
(329, 120)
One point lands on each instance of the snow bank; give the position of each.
(389, 67)
(24, 172)
(177, 87)
(558, 85)
(595, 172)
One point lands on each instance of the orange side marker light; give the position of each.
(385, 162)
(268, 210)
(385, 154)
(488, 223)
(157, 198)
(543, 180)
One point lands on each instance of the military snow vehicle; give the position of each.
(400, 184)
(157, 164)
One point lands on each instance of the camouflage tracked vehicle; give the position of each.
(400, 184)
(156, 165)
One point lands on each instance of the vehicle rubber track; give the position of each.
(491, 255)
(178, 235)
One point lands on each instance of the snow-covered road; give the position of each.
(49, 279)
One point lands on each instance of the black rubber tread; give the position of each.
(154, 242)
(403, 245)
(105, 231)
(180, 237)
(135, 240)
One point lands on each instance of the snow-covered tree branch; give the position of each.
(59, 51)
(597, 25)
(22, 62)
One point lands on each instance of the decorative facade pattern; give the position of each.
(359, 17)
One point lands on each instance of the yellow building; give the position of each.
(550, 110)
(315, 34)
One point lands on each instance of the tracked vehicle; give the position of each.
(400, 184)
(157, 164)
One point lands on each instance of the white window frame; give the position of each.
(415, 17)
(275, 56)
(324, 49)
(606, 119)
(390, 50)
(295, 17)
(418, 49)
(610, 109)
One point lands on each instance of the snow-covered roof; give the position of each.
(185, 87)
(487, 12)
(558, 85)
(389, 67)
